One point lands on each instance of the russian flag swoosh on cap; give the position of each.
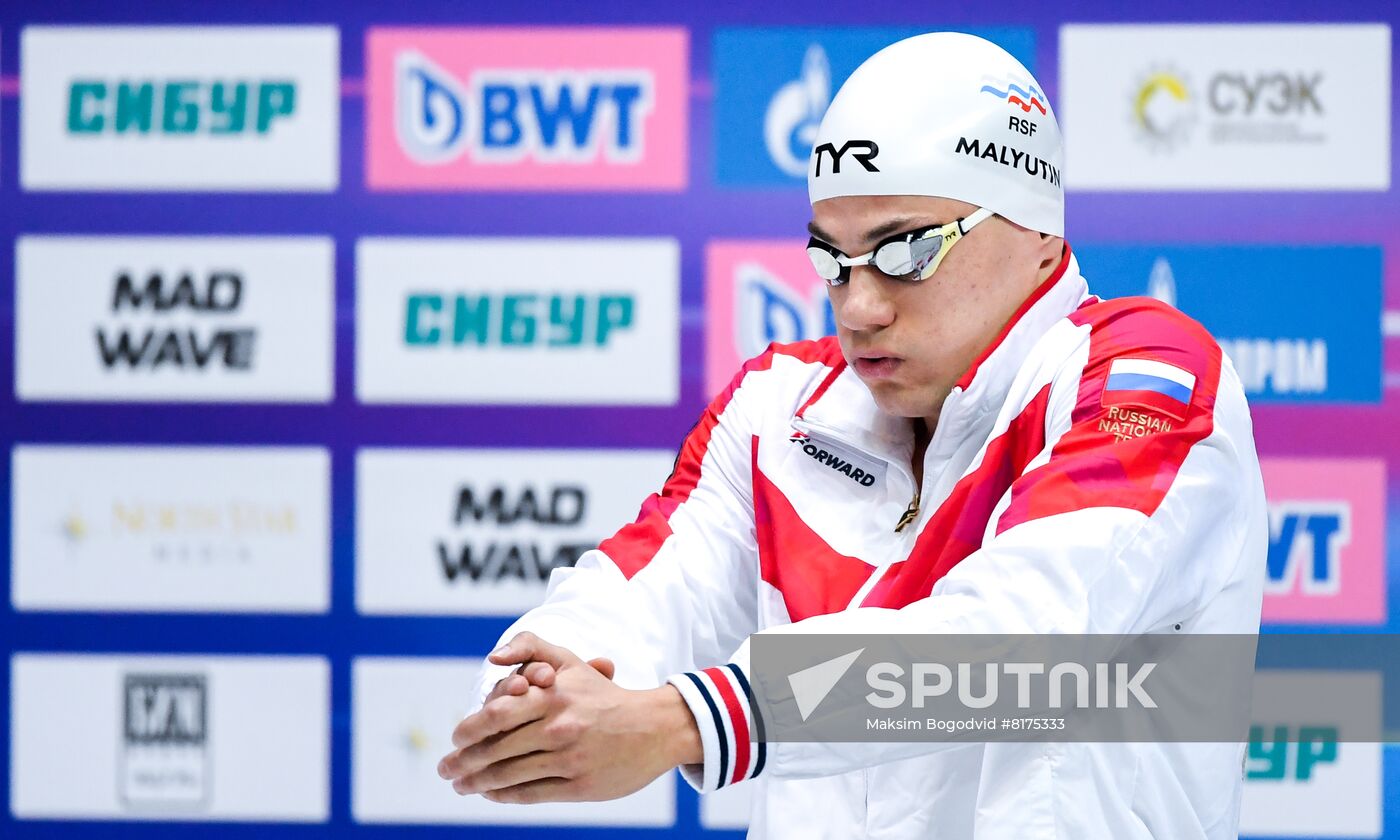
(1150, 384)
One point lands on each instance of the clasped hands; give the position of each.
(559, 729)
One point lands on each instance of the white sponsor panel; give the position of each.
(1226, 106)
(188, 738)
(1300, 781)
(729, 808)
(177, 319)
(181, 529)
(403, 716)
(517, 321)
(477, 532)
(173, 108)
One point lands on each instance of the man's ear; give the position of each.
(1052, 249)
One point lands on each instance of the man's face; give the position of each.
(910, 341)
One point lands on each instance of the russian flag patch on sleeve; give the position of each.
(1150, 384)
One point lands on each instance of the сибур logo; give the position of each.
(179, 107)
(557, 320)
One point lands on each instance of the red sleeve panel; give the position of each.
(1134, 419)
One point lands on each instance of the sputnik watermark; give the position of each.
(970, 687)
(1075, 685)
(934, 679)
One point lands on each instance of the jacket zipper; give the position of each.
(911, 513)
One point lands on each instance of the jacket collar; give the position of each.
(843, 408)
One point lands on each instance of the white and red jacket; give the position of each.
(1093, 472)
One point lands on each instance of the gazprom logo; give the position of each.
(795, 113)
(1306, 540)
(569, 116)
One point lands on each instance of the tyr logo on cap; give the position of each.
(864, 157)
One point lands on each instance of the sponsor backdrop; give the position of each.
(327, 332)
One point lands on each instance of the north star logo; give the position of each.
(1007, 156)
(1127, 425)
(832, 460)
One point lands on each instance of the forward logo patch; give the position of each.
(853, 465)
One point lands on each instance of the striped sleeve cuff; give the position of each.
(730, 733)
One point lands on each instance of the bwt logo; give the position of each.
(506, 116)
(1285, 757)
(1305, 547)
(179, 107)
(516, 320)
(863, 152)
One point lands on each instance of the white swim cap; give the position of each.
(949, 115)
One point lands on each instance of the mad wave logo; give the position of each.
(486, 527)
(215, 293)
(1018, 93)
(174, 318)
(795, 112)
(1163, 109)
(502, 532)
(518, 108)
